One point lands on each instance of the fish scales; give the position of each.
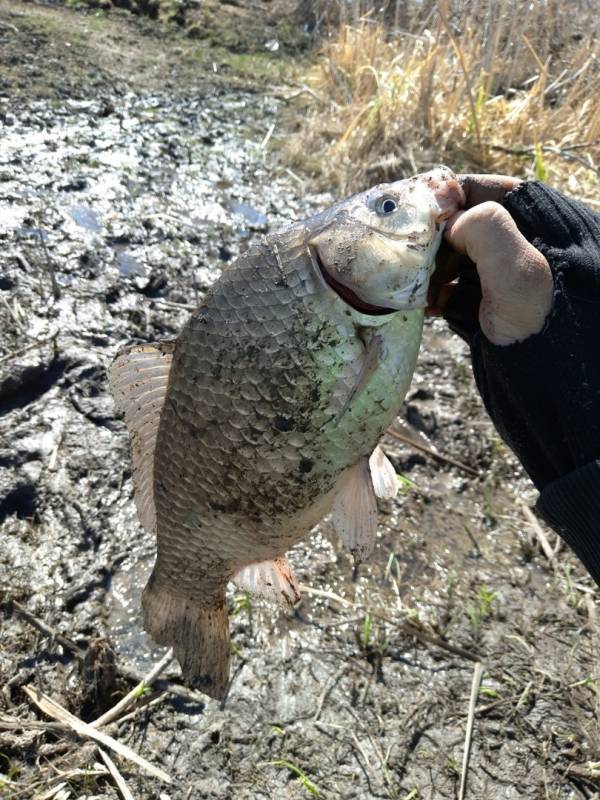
(279, 388)
(298, 446)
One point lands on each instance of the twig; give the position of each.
(540, 535)
(477, 675)
(302, 90)
(563, 152)
(406, 627)
(433, 453)
(56, 711)
(13, 313)
(50, 267)
(366, 766)
(268, 135)
(54, 792)
(173, 304)
(41, 626)
(295, 177)
(377, 750)
(164, 685)
(225, 697)
(13, 724)
(21, 350)
(589, 771)
(143, 706)
(118, 778)
(326, 692)
(135, 693)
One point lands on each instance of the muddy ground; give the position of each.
(124, 191)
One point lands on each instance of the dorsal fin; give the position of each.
(138, 379)
(273, 580)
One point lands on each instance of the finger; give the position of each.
(481, 188)
(487, 234)
(516, 280)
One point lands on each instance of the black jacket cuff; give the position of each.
(563, 229)
(571, 505)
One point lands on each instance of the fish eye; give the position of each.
(385, 205)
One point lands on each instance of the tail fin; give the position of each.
(198, 634)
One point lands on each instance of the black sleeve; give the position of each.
(571, 505)
(543, 394)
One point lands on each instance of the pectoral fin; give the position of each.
(273, 580)
(138, 380)
(383, 475)
(354, 512)
(370, 361)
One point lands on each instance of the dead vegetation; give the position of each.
(505, 87)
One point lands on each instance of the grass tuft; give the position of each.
(506, 87)
(299, 774)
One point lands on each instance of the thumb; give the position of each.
(516, 281)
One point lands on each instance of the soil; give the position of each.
(131, 173)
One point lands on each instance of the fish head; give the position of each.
(377, 249)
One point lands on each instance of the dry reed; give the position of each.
(508, 86)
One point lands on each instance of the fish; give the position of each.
(265, 413)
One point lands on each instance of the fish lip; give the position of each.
(447, 190)
(348, 296)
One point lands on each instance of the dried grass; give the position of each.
(509, 86)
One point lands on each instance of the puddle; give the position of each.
(125, 614)
(86, 218)
(129, 265)
(255, 218)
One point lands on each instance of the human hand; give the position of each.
(542, 391)
(516, 284)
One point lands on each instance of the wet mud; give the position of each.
(116, 214)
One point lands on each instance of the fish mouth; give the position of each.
(447, 191)
(348, 296)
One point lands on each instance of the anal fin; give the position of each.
(273, 580)
(354, 512)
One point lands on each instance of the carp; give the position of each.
(265, 413)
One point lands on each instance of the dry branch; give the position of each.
(540, 535)
(589, 771)
(411, 442)
(117, 777)
(477, 675)
(135, 693)
(42, 627)
(57, 712)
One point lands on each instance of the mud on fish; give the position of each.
(265, 413)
